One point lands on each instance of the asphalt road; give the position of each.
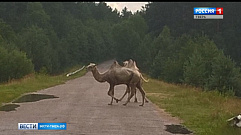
(83, 105)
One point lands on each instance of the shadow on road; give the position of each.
(177, 129)
(25, 98)
(9, 107)
(33, 98)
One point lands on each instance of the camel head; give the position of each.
(125, 63)
(91, 66)
(128, 63)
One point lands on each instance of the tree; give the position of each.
(14, 14)
(225, 75)
(161, 50)
(183, 47)
(138, 24)
(125, 13)
(7, 32)
(36, 44)
(198, 68)
(195, 71)
(143, 54)
(36, 15)
(127, 40)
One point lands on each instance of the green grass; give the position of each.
(205, 113)
(32, 83)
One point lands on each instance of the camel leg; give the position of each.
(135, 97)
(137, 100)
(142, 92)
(111, 93)
(146, 100)
(114, 97)
(127, 91)
(131, 95)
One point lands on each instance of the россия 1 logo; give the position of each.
(208, 13)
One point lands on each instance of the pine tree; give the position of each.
(225, 75)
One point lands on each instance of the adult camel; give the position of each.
(132, 65)
(117, 75)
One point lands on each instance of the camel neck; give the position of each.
(98, 76)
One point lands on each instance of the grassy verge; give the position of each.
(32, 83)
(205, 113)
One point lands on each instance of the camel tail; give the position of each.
(144, 79)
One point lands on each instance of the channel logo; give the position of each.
(28, 126)
(208, 12)
(42, 126)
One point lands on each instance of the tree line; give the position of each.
(52, 36)
(202, 53)
(163, 38)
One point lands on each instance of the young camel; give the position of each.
(132, 65)
(117, 75)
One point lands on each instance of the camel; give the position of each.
(117, 75)
(132, 65)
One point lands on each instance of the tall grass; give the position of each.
(203, 112)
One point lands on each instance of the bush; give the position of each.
(13, 64)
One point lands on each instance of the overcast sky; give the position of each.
(131, 6)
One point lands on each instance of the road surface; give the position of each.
(83, 105)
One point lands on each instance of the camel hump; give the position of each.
(115, 65)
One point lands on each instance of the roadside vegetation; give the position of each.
(203, 112)
(32, 83)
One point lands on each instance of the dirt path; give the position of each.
(82, 104)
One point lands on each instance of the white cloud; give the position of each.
(131, 6)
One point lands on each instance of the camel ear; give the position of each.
(130, 61)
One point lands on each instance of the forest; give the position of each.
(163, 38)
